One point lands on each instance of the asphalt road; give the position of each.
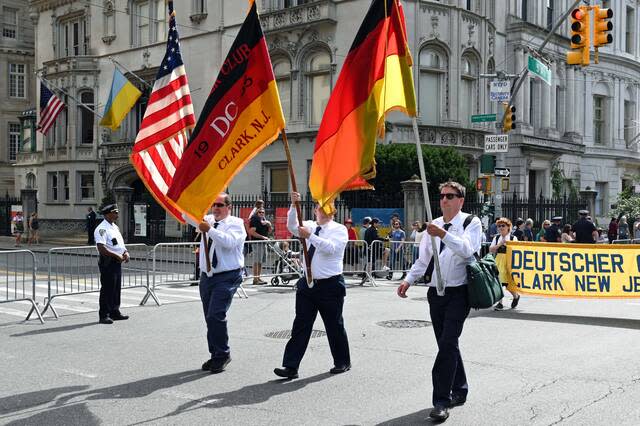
(549, 362)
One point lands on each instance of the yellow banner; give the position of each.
(575, 270)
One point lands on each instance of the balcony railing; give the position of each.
(298, 16)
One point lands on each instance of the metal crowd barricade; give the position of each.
(356, 259)
(625, 241)
(280, 261)
(74, 270)
(18, 279)
(175, 263)
(389, 258)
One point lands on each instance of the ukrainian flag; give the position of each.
(122, 98)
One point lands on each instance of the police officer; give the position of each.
(552, 234)
(110, 245)
(223, 238)
(584, 231)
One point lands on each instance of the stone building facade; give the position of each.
(582, 126)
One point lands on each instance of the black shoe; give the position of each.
(207, 365)
(498, 307)
(105, 320)
(340, 369)
(286, 372)
(457, 400)
(218, 365)
(119, 317)
(439, 414)
(514, 302)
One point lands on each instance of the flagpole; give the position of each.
(130, 72)
(427, 205)
(294, 188)
(66, 93)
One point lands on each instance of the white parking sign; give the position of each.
(500, 90)
(496, 143)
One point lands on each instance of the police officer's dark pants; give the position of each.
(326, 297)
(216, 293)
(110, 286)
(448, 313)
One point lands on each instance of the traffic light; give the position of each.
(579, 37)
(483, 184)
(601, 25)
(509, 120)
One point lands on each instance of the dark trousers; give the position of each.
(216, 293)
(326, 297)
(448, 313)
(110, 286)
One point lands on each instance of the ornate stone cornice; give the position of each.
(42, 5)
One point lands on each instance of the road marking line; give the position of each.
(79, 373)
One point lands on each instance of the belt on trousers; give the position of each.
(322, 280)
(225, 272)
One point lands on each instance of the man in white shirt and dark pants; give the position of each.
(457, 246)
(220, 276)
(326, 241)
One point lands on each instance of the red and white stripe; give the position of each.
(164, 134)
(49, 113)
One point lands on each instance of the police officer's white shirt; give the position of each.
(228, 241)
(106, 233)
(329, 244)
(460, 246)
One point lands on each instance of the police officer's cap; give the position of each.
(556, 218)
(583, 212)
(110, 208)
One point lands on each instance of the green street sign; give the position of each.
(538, 68)
(483, 118)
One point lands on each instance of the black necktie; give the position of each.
(214, 259)
(312, 248)
(446, 228)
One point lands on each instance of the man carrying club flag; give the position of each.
(163, 134)
(375, 78)
(241, 116)
(122, 98)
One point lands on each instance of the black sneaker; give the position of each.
(286, 372)
(105, 320)
(499, 307)
(439, 414)
(218, 365)
(514, 302)
(207, 365)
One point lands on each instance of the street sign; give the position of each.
(483, 118)
(500, 90)
(496, 143)
(538, 68)
(501, 171)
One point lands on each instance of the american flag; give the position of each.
(50, 107)
(167, 120)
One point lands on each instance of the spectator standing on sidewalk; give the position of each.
(90, 225)
(612, 233)
(18, 227)
(259, 229)
(34, 229)
(623, 229)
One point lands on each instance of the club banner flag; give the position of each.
(575, 270)
(375, 78)
(122, 98)
(241, 116)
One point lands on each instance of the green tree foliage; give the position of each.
(398, 162)
(628, 204)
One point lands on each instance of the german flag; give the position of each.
(242, 116)
(375, 78)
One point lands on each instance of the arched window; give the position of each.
(601, 114)
(31, 181)
(85, 118)
(432, 83)
(282, 72)
(318, 85)
(468, 99)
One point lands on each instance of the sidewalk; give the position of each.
(8, 243)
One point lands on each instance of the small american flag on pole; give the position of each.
(163, 133)
(50, 107)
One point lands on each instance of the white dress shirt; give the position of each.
(228, 241)
(460, 246)
(329, 243)
(108, 233)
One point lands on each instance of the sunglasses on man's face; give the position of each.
(219, 205)
(449, 196)
(502, 226)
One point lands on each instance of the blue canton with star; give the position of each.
(172, 58)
